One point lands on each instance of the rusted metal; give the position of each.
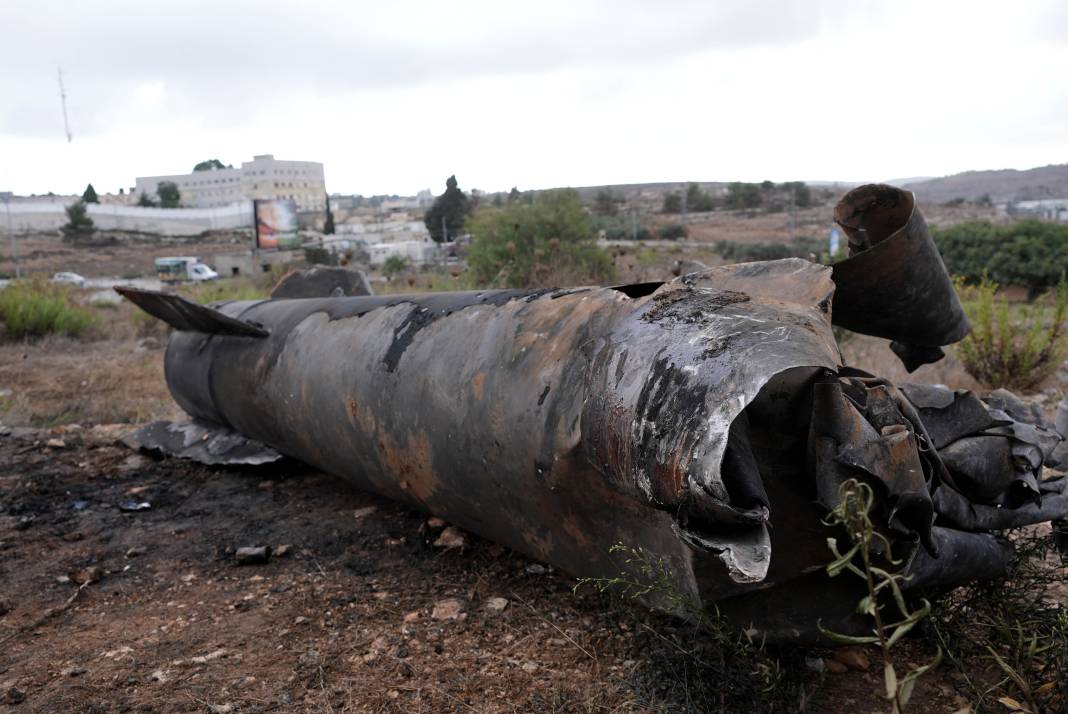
(707, 420)
(894, 283)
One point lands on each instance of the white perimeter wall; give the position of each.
(48, 216)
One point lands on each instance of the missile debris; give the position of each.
(707, 421)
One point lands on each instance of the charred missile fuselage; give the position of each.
(707, 421)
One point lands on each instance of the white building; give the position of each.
(263, 177)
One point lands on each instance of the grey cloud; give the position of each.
(220, 61)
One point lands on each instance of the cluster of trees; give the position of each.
(167, 194)
(693, 200)
(211, 165)
(546, 240)
(745, 252)
(769, 195)
(1029, 253)
(740, 195)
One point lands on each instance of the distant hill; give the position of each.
(1002, 185)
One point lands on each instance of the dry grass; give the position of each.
(59, 380)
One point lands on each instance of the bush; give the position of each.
(78, 220)
(1029, 253)
(394, 265)
(317, 255)
(36, 308)
(672, 231)
(1015, 347)
(550, 240)
(738, 252)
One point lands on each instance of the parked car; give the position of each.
(69, 279)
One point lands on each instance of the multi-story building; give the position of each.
(263, 177)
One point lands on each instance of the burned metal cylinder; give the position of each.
(706, 422)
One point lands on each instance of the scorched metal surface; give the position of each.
(707, 420)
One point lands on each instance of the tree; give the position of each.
(550, 240)
(799, 192)
(328, 225)
(210, 165)
(606, 203)
(744, 195)
(145, 201)
(513, 195)
(698, 201)
(78, 220)
(89, 196)
(672, 203)
(169, 196)
(446, 217)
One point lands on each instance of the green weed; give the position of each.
(35, 308)
(1013, 346)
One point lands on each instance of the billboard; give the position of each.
(276, 223)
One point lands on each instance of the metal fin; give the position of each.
(188, 316)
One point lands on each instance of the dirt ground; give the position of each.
(114, 253)
(110, 610)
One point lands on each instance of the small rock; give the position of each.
(159, 675)
(834, 666)
(435, 523)
(536, 569)
(451, 537)
(14, 695)
(451, 609)
(134, 506)
(300, 620)
(56, 444)
(364, 512)
(79, 505)
(815, 664)
(253, 555)
(86, 575)
(411, 617)
(496, 605)
(147, 344)
(209, 657)
(131, 463)
(136, 551)
(73, 536)
(529, 667)
(265, 485)
(281, 551)
(853, 658)
(72, 671)
(220, 708)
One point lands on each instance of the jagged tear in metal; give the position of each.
(708, 420)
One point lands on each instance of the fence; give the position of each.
(32, 216)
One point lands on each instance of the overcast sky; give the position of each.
(394, 96)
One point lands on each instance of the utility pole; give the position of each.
(63, 102)
(14, 245)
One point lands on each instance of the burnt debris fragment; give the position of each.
(707, 420)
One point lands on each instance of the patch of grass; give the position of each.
(227, 290)
(1013, 346)
(35, 308)
(706, 664)
(1011, 626)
